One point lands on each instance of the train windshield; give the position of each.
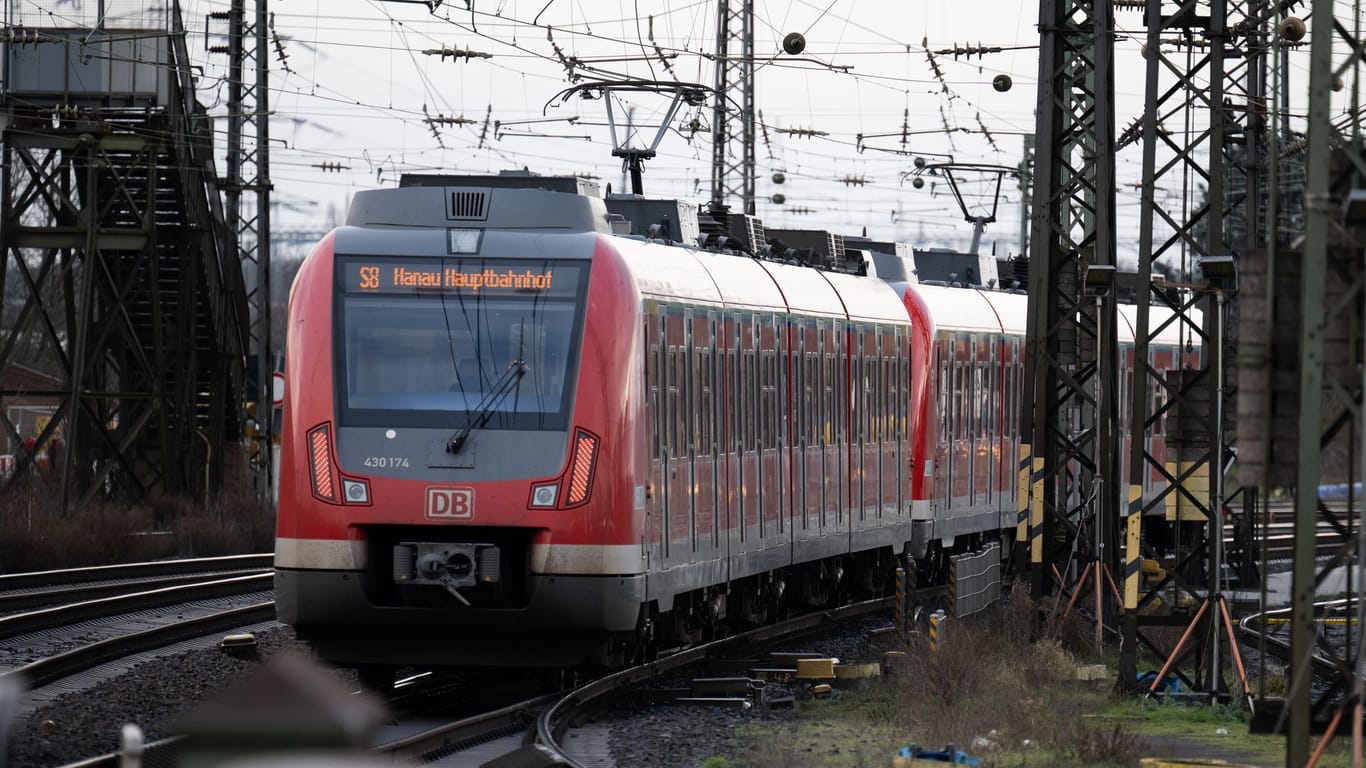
(428, 342)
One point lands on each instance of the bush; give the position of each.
(36, 534)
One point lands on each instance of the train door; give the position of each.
(842, 415)
(678, 482)
(656, 544)
(829, 445)
(1005, 448)
(702, 387)
(875, 394)
(811, 459)
(749, 434)
(770, 447)
(728, 438)
(893, 396)
(943, 450)
(972, 409)
(982, 448)
(864, 398)
(796, 444)
(962, 395)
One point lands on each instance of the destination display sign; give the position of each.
(472, 276)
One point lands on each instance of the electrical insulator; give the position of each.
(1292, 29)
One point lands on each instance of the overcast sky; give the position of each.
(356, 87)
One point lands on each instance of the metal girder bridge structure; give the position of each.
(247, 182)
(732, 154)
(1069, 469)
(1330, 445)
(118, 282)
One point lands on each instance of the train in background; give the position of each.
(525, 425)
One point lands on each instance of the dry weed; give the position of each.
(36, 533)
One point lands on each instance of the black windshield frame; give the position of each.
(374, 330)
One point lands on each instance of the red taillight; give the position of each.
(320, 462)
(581, 469)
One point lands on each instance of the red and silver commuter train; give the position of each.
(513, 437)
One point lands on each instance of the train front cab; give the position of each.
(394, 545)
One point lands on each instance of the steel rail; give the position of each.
(53, 668)
(35, 579)
(573, 707)
(30, 600)
(1280, 647)
(33, 621)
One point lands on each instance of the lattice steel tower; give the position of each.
(1069, 471)
(248, 180)
(732, 158)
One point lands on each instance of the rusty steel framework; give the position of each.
(1204, 116)
(1069, 467)
(247, 180)
(117, 283)
(732, 153)
(1330, 378)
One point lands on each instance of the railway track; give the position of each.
(1335, 621)
(27, 591)
(50, 633)
(1276, 525)
(532, 730)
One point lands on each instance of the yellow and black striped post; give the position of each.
(901, 604)
(1036, 516)
(1133, 520)
(935, 619)
(1022, 496)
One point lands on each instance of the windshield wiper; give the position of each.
(481, 413)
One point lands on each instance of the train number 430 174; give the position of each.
(381, 462)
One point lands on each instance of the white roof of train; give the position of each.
(674, 272)
(703, 277)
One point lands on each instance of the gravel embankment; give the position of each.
(155, 694)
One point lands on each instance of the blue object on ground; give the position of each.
(949, 754)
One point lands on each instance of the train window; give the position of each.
(751, 394)
(945, 417)
(889, 400)
(687, 392)
(671, 404)
(827, 398)
(431, 357)
(766, 400)
(731, 433)
(910, 400)
(652, 388)
(870, 399)
(1008, 395)
(837, 403)
(984, 399)
(709, 403)
(960, 396)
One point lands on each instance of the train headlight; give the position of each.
(356, 491)
(544, 495)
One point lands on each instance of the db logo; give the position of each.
(450, 503)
